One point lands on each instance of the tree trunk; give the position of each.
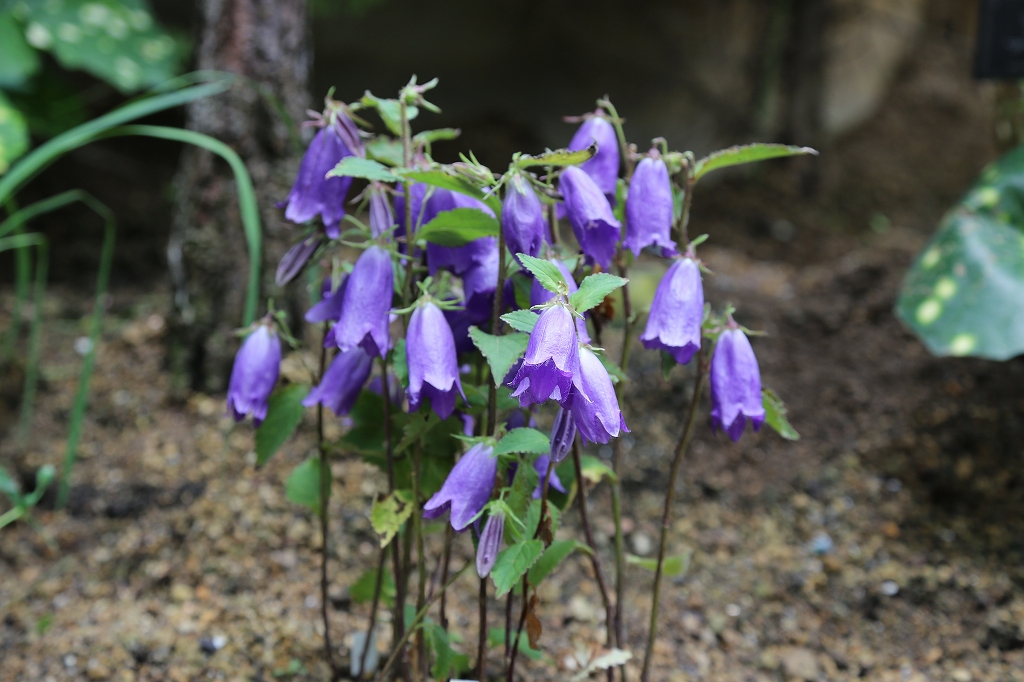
(268, 43)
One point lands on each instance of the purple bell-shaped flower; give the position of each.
(254, 374)
(490, 543)
(467, 488)
(418, 210)
(551, 365)
(598, 419)
(677, 312)
(649, 207)
(366, 303)
(344, 379)
(590, 214)
(328, 309)
(433, 366)
(604, 167)
(313, 193)
(735, 385)
(522, 218)
(479, 283)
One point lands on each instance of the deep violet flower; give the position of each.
(590, 214)
(522, 218)
(478, 285)
(551, 365)
(541, 466)
(329, 307)
(649, 207)
(735, 385)
(604, 167)
(433, 366)
(467, 488)
(458, 259)
(677, 312)
(315, 194)
(490, 543)
(295, 259)
(342, 382)
(539, 295)
(563, 432)
(254, 374)
(381, 217)
(598, 419)
(418, 208)
(366, 303)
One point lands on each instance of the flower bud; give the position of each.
(254, 374)
(677, 312)
(595, 227)
(490, 544)
(341, 383)
(735, 385)
(295, 259)
(366, 303)
(522, 218)
(433, 366)
(604, 166)
(563, 432)
(467, 488)
(649, 207)
(381, 217)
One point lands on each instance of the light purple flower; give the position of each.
(254, 374)
(433, 366)
(649, 207)
(366, 303)
(598, 419)
(735, 385)
(315, 194)
(590, 215)
(381, 217)
(522, 218)
(340, 386)
(677, 312)
(539, 296)
(563, 432)
(551, 366)
(329, 307)
(604, 167)
(540, 465)
(467, 488)
(490, 543)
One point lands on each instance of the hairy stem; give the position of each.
(421, 563)
(325, 495)
(398, 624)
(677, 461)
(499, 297)
(481, 646)
(449, 537)
(684, 220)
(377, 587)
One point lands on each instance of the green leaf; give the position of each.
(401, 362)
(357, 167)
(521, 320)
(519, 501)
(963, 294)
(593, 290)
(284, 412)
(362, 589)
(388, 514)
(44, 477)
(18, 61)
(594, 470)
(385, 149)
(559, 157)
(438, 178)
(613, 370)
(546, 272)
(734, 156)
(430, 136)
(775, 415)
(512, 563)
(458, 227)
(390, 111)
(496, 638)
(523, 440)
(672, 567)
(303, 484)
(9, 486)
(668, 363)
(13, 134)
(555, 554)
(418, 425)
(501, 352)
(116, 41)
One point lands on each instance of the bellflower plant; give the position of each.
(677, 312)
(433, 368)
(467, 488)
(595, 226)
(735, 385)
(254, 374)
(649, 207)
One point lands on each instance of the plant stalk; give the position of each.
(398, 624)
(377, 587)
(325, 496)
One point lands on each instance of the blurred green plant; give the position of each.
(22, 503)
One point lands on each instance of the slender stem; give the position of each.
(410, 229)
(620, 134)
(421, 561)
(677, 461)
(684, 221)
(553, 221)
(377, 587)
(415, 622)
(449, 536)
(325, 496)
(508, 626)
(499, 299)
(511, 671)
(481, 647)
(398, 624)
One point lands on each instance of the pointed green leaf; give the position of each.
(13, 134)
(284, 412)
(775, 415)
(438, 178)
(18, 61)
(385, 149)
(303, 484)
(555, 554)
(672, 567)
(593, 290)
(594, 470)
(734, 156)
(430, 136)
(358, 167)
(519, 500)
(512, 563)
(388, 514)
(546, 272)
(559, 157)
(501, 352)
(458, 227)
(523, 440)
(521, 320)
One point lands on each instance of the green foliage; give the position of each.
(501, 352)
(559, 157)
(546, 272)
(594, 470)
(438, 178)
(458, 227)
(512, 563)
(555, 554)
(963, 294)
(775, 415)
(496, 638)
(521, 320)
(18, 61)
(447, 661)
(593, 290)
(13, 133)
(284, 412)
(388, 514)
(671, 567)
(518, 502)
(303, 485)
(523, 440)
(357, 167)
(386, 150)
(362, 589)
(750, 153)
(23, 503)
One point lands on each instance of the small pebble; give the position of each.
(733, 610)
(83, 344)
(820, 543)
(890, 588)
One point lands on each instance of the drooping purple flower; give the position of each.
(381, 217)
(490, 543)
(539, 295)
(551, 365)
(342, 382)
(329, 307)
(296, 258)
(735, 385)
(677, 312)
(366, 303)
(467, 488)
(433, 366)
(604, 167)
(522, 218)
(479, 283)
(541, 466)
(590, 215)
(598, 419)
(254, 374)
(563, 432)
(649, 207)
(315, 194)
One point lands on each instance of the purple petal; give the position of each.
(467, 488)
(677, 312)
(340, 386)
(735, 385)
(254, 374)
(604, 167)
(649, 207)
(598, 419)
(590, 215)
(313, 193)
(432, 361)
(366, 303)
